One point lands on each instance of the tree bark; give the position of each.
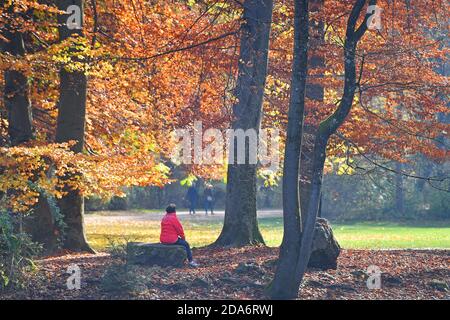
(306, 167)
(314, 92)
(17, 102)
(240, 224)
(327, 128)
(282, 286)
(399, 194)
(71, 127)
(287, 283)
(40, 224)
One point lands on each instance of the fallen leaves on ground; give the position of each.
(243, 274)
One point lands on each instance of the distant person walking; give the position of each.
(208, 199)
(192, 198)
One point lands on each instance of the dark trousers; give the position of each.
(209, 205)
(192, 206)
(185, 244)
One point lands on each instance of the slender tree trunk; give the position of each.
(286, 283)
(327, 128)
(399, 195)
(240, 224)
(40, 224)
(306, 167)
(319, 214)
(425, 169)
(312, 210)
(71, 127)
(282, 286)
(314, 92)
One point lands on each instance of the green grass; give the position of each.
(200, 232)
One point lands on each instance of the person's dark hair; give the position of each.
(171, 208)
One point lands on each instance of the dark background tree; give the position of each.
(18, 105)
(40, 225)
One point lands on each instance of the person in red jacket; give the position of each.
(172, 232)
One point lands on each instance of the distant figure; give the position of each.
(192, 198)
(172, 233)
(209, 199)
(268, 196)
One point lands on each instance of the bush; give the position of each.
(95, 204)
(16, 252)
(122, 279)
(118, 203)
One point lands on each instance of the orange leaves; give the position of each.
(134, 101)
(402, 92)
(148, 74)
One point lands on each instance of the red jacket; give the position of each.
(171, 229)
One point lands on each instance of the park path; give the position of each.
(129, 216)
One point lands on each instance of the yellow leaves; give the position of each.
(22, 202)
(71, 53)
(270, 178)
(340, 165)
(53, 168)
(133, 103)
(345, 169)
(189, 180)
(75, 54)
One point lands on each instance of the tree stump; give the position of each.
(325, 248)
(155, 254)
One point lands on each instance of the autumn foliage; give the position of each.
(154, 66)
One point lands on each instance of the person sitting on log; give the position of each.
(172, 232)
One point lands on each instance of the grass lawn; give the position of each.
(102, 231)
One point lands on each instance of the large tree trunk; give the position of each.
(18, 106)
(240, 224)
(282, 285)
(40, 224)
(71, 127)
(17, 103)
